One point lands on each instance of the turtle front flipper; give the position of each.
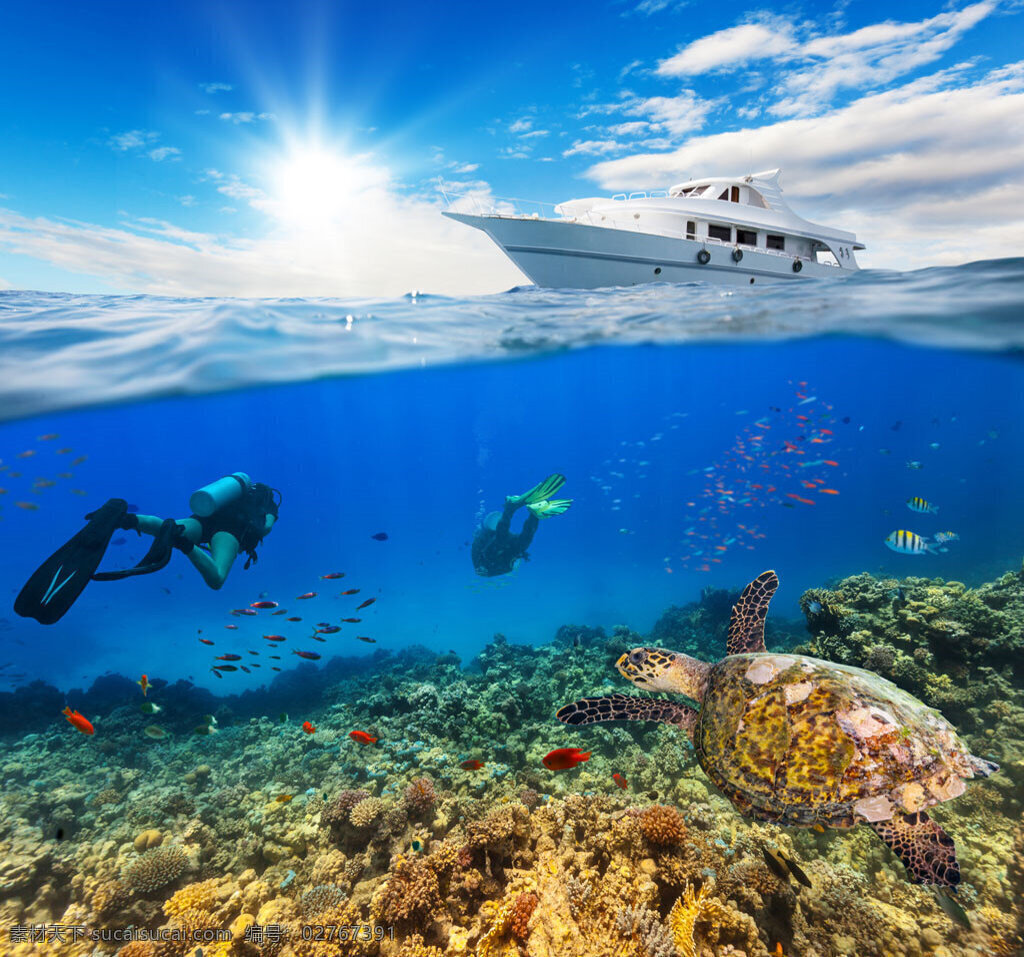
(746, 624)
(927, 851)
(624, 707)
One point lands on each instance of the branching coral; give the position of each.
(366, 812)
(522, 910)
(110, 898)
(156, 868)
(641, 925)
(686, 912)
(336, 813)
(321, 898)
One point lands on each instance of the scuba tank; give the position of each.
(206, 500)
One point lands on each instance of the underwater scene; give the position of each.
(672, 621)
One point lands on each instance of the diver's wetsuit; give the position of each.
(496, 551)
(245, 518)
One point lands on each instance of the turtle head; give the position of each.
(656, 669)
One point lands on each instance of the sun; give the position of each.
(314, 184)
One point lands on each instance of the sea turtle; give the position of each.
(805, 742)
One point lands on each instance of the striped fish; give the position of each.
(907, 543)
(917, 504)
(942, 537)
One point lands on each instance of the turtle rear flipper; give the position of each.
(746, 624)
(927, 851)
(624, 707)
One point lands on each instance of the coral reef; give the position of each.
(191, 834)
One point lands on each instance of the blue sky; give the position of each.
(290, 148)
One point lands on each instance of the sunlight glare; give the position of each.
(314, 185)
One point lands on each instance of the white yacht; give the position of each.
(735, 230)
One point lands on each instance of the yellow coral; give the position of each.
(685, 913)
(193, 897)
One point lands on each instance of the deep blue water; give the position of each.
(423, 453)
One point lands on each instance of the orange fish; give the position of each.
(333, 575)
(78, 721)
(27, 506)
(263, 604)
(620, 781)
(309, 594)
(830, 461)
(362, 737)
(800, 498)
(350, 591)
(365, 604)
(307, 727)
(143, 683)
(206, 641)
(829, 491)
(561, 759)
(471, 765)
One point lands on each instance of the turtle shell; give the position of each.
(802, 741)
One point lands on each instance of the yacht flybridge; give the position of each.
(723, 229)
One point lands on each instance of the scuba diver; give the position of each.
(496, 551)
(230, 515)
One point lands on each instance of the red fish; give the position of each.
(471, 765)
(329, 630)
(316, 637)
(309, 594)
(231, 627)
(263, 604)
(217, 673)
(224, 668)
(78, 721)
(311, 655)
(333, 575)
(308, 727)
(143, 683)
(366, 604)
(275, 637)
(274, 668)
(206, 641)
(228, 658)
(294, 618)
(350, 591)
(800, 498)
(561, 759)
(280, 611)
(369, 641)
(352, 620)
(362, 737)
(246, 670)
(620, 781)
(828, 491)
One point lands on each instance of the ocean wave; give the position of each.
(63, 351)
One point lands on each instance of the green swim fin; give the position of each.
(539, 492)
(549, 507)
(57, 583)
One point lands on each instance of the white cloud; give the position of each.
(246, 117)
(216, 87)
(202, 112)
(534, 133)
(594, 148)
(521, 125)
(132, 140)
(732, 46)
(187, 200)
(676, 114)
(904, 164)
(165, 152)
(461, 169)
(378, 242)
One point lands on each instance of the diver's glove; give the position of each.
(182, 542)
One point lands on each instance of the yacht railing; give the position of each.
(506, 207)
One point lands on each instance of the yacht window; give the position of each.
(775, 242)
(691, 229)
(725, 195)
(735, 194)
(724, 233)
(746, 237)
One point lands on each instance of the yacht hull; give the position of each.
(559, 255)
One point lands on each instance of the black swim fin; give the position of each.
(57, 583)
(157, 557)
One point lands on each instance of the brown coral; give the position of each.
(366, 812)
(336, 813)
(522, 910)
(663, 825)
(201, 896)
(156, 868)
(410, 894)
(420, 795)
(110, 898)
